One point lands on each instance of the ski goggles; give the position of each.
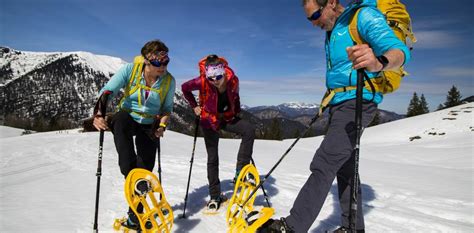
(215, 78)
(316, 15)
(160, 62)
(161, 59)
(215, 72)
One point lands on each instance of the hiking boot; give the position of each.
(132, 222)
(237, 173)
(142, 187)
(215, 203)
(346, 230)
(275, 226)
(248, 178)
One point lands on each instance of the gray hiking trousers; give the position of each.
(211, 139)
(335, 157)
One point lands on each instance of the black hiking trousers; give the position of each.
(124, 128)
(211, 139)
(335, 157)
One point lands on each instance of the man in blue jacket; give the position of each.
(335, 156)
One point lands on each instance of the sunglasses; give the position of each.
(215, 78)
(316, 15)
(160, 62)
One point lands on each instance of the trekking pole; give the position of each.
(103, 107)
(190, 167)
(358, 122)
(158, 147)
(278, 163)
(263, 189)
(98, 174)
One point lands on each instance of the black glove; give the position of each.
(100, 108)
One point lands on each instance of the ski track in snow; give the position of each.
(48, 179)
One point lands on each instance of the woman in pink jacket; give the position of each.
(218, 108)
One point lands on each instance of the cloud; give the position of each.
(455, 72)
(281, 90)
(437, 80)
(294, 85)
(292, 44)
(435, 39)
(434, 88)
(299, 38)
(430, 23)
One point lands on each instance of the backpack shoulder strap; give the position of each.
(203, 92)
(165, 86)
(135, 75)
(353, 28)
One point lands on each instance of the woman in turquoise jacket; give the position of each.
(334, 158)
(143, 111)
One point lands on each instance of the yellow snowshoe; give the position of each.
(246, 218)
(143, 187)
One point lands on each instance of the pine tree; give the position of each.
(423, 105)
(273, 131)
(440, 107)
(297, 133)
(453, 98)
(414, 106)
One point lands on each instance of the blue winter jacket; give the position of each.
(374, 30)
(150, 105)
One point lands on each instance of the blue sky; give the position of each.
(277, 54)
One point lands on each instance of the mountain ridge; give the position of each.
(57, 90)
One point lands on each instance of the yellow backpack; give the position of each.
(399, 21)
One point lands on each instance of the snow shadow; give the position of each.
(270, 190)
(198, 197)
(334, 220)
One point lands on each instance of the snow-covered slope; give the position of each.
(23, 62)
(7, 132)
(54, 90)
(425, 185)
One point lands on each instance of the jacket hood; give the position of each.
(364, 3)
(356, 4)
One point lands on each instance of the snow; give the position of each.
(26, 61)
(106, 64)
(299, 105)
(426, 185)
(6, 132)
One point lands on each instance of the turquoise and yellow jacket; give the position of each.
(143, 110)
(374, 30)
